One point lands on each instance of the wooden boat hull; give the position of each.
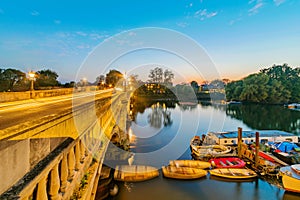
(183, 172)
(210, 150)
(290, 179)
(190, 163)
(233, 173)
(227, 162)
(135, 173)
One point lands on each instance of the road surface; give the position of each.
(14, 113)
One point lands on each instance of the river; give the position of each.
(161, 132)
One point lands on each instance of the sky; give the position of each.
(238, 37)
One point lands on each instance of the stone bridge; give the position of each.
(60, 157)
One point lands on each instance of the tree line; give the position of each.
(275, 85)
(16, 80)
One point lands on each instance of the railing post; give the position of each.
(54, 184)
(42, 190)
(82, 147)
(64, 172)
(77, 156)
(71, 164)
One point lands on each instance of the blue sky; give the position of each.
(240, 36)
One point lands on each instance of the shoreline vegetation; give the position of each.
(277, 85)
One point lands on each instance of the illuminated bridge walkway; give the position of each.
(48, 146)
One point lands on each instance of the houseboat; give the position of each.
(248, 137)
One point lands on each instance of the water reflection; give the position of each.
(160, 115)
(266, 117)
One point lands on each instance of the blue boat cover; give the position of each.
(286, 146)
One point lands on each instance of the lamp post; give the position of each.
(31, 78)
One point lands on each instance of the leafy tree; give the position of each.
(12, 79)
(46, 78)
(168, 77)
(277, 84)
(113, 77)
(157, 75)
(195, 86)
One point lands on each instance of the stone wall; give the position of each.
(17, 96)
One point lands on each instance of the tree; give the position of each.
(46, 78)
(12, 79)
(157, 75)
(113, 77)
(275, 85)
(168, 77)
(195, 86)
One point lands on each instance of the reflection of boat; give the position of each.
(190, 163)
(290, 196)
(294, 106)
(233, 173)
(133, 173)
(227, 162)
(234, 102)
(183, 172)
(290, 179)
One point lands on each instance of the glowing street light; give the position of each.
(31, 78)
(31, 75)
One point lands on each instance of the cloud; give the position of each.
(57, 21)
(203, 14)
(84, 46)
(235, 20)
(278, 2)
(96, 36)
(254, 10)
(35, 13)
(182, 24)
(81, 33)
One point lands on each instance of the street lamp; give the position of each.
(31, 78)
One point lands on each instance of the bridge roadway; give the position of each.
(14, 113)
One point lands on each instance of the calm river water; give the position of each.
(161, 132)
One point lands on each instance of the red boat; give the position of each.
(227, 162)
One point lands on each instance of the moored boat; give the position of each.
(227, 162)
(210, 150)
(290, 179)
(296, 168)
(134, 173)
(233, 173)
(183, 172)
(190, 163)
